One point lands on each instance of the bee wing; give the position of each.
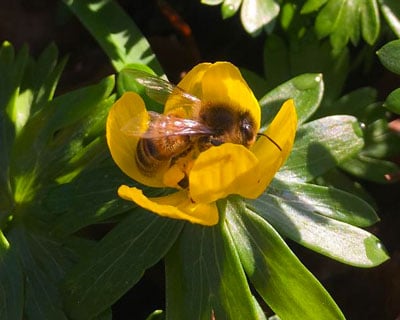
(160, 90)
(161, 125)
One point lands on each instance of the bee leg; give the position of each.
(216, 142)
(184, 183)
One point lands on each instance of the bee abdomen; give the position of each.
(147, 157)
(152, 154)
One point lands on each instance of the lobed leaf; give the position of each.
(117, 262)
(11, 282)
(43, 263)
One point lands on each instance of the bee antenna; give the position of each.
(270, 139)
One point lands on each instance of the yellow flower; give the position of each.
(216, 172)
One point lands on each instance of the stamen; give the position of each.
(270, 139)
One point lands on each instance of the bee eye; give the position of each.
(247, 130)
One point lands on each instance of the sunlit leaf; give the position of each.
(335, 239)
(120, 38)
(320, 145)
(326, 201)
(230, 7)
(256, 14)
(279, 277)
(306, 90)
(391, 11)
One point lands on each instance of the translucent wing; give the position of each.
(160, 90)
(154, 125)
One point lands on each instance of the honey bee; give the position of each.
(169, 137)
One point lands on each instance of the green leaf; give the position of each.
(127, 82)
(277, 274)
(392, 101)
(42, 77)
(375, 170)
(230, 7)
(257, 14)
(337, 178)
(276, 59)
(312, 5)
(211, 2)
(327, 201)
(370, 21)
(342, 20)
(115, 32)
(118, 262)
(205, 278)
(335, 239)
(339, 20)
(380, 141)
(355, 103)
(320, 145)
(257, 83)
(389, 55)
(88, 199)
(306, 90)
(44, 262)
(391, 11)
(305, 54)
(61, 139)
(11, 282)
(156, 315)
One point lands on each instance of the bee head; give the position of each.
(229, 125)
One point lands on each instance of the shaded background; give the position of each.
(360, 293)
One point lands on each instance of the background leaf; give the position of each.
(391, 11)
(389, 55)
(11, 282)
(120, 38)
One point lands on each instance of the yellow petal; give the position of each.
(221, 171)
(222, 84)
(282, 130)
(191, 84)
(122, 145)
(176, 206)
